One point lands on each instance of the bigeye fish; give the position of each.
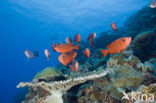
(91, 37)
(74, 66)
(47, 54)
(29, 54)
(152, 4)
(87, 52)
(113, 25)
(65, 48)
(66, 58)
(77, 37)
(118, 45)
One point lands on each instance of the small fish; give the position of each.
(54, 45)
(47, 54)
(118, 45)
(68, 40)
(152, 4)
(64, 48)
(65, 59)
(74, 66)
(113, 25)
(87, 52)
(77, 37)
(30, 54)
(91, 38)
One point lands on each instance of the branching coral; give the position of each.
(56, 88)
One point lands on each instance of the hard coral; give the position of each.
(56, 88)
(48, 72)
(124, 76)
(144, 45)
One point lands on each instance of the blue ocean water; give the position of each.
(37, 24)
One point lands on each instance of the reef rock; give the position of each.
(144, 45)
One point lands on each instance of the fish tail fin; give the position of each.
(104, 52)
(77, 47)
(36, 53)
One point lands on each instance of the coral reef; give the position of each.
(56, 88)
(48, 72)
(99, 79)
(144, 45)
(124, 76)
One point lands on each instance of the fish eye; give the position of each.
(123, 40)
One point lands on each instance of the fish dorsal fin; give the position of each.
(113, 43)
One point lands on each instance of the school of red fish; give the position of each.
(68, 53)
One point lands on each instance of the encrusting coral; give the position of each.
(56, 88)
(48, 72)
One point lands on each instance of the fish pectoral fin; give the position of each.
(104, 52)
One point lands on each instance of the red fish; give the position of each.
(113, 25)
(118, 45)
(68, 40)
(65, 59)
(91, 38)
(77, 37)
(64, 48)
(87, 52)
(74, 66)
(54, 45)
